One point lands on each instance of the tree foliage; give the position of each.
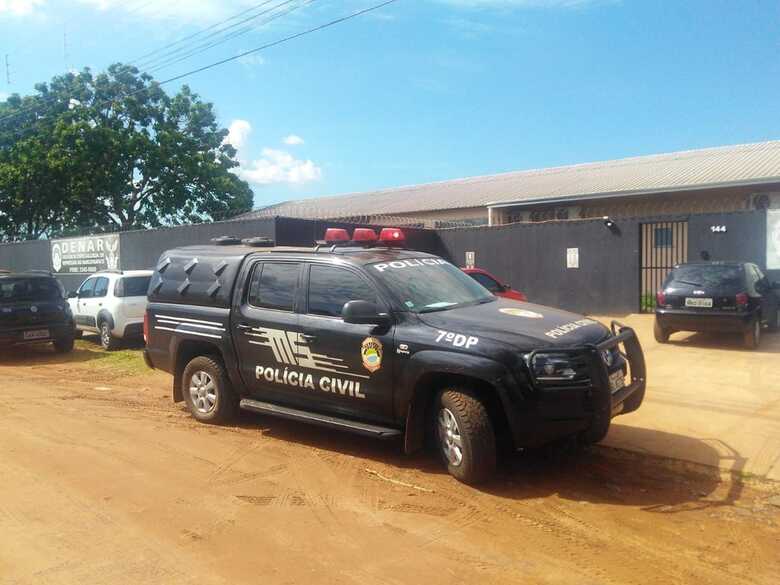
(112, 152)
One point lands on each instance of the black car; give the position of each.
(719, 297)
(386, 342)
(33, 309)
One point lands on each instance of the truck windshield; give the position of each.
(29, 289)
(424, 285)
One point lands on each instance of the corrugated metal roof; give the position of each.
(692, 169)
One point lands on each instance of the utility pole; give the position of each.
(7, 70)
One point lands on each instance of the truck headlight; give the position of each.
(552, 366)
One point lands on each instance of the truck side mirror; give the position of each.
(363, 313)
(72, 294)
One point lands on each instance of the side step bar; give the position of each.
(319, 419)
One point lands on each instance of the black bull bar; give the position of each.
(621, 334)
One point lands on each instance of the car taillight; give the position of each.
(742, 301)
(146, 326)
(660, 298)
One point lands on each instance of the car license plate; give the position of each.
(36, 334)
(703, 303)
(616, 381)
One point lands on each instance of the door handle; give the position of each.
(243, 326)
(307, 337)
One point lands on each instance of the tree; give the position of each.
(123, 153)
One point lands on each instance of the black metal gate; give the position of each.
(663, 244)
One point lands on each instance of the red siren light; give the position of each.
(392, 236)
(364, 235)
(335, 235)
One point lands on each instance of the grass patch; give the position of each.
(124, 361)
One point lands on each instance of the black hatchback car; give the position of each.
(33, 310)
(717, 296)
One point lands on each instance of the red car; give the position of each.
(494, 285)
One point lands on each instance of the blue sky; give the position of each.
(428, 90)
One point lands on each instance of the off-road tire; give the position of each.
(752, 334)
(64, 344)
(599, 426)
(225, 406)
(661, 334)
(478, 438)
(107, 339)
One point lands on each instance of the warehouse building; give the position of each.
(711, 180)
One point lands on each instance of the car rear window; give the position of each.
(29, 289)
(709, 275)
(132, 286)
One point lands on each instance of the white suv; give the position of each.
(111, 303)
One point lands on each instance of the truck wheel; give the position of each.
(207, 391)
(466, 439)
(661, 334)
(753, 334)
(599, 427)
(64, 344)
(107, 340)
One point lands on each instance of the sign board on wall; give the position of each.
(85, 255)
(471, 259)
(773, 239)
(572, 257)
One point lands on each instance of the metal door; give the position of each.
(663, 244)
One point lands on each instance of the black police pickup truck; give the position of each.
(33, 309)
(363, 335)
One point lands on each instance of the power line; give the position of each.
(281, 41)
(275, 43)
(206, 46)
(144, 57)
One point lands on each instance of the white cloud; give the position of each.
(179, 10)
(253, 60)
(293, 140)
(19, 7)
(4, 96)
(238, 133)
(278, 166)
(274, 166)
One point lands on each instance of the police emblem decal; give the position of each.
(522, 313)
(371, 352)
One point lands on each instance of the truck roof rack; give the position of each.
(110, 271)
(259, 242)
(38, 271)
(226, 241)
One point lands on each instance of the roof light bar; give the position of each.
(364, 235)
(336, 235)
(390, 236)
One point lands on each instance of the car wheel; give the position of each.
(661, 334)
(207, 391)
(64, 344)
(466, 440)
(107, 340)
(753, 334)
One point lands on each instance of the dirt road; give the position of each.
(104, 480)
